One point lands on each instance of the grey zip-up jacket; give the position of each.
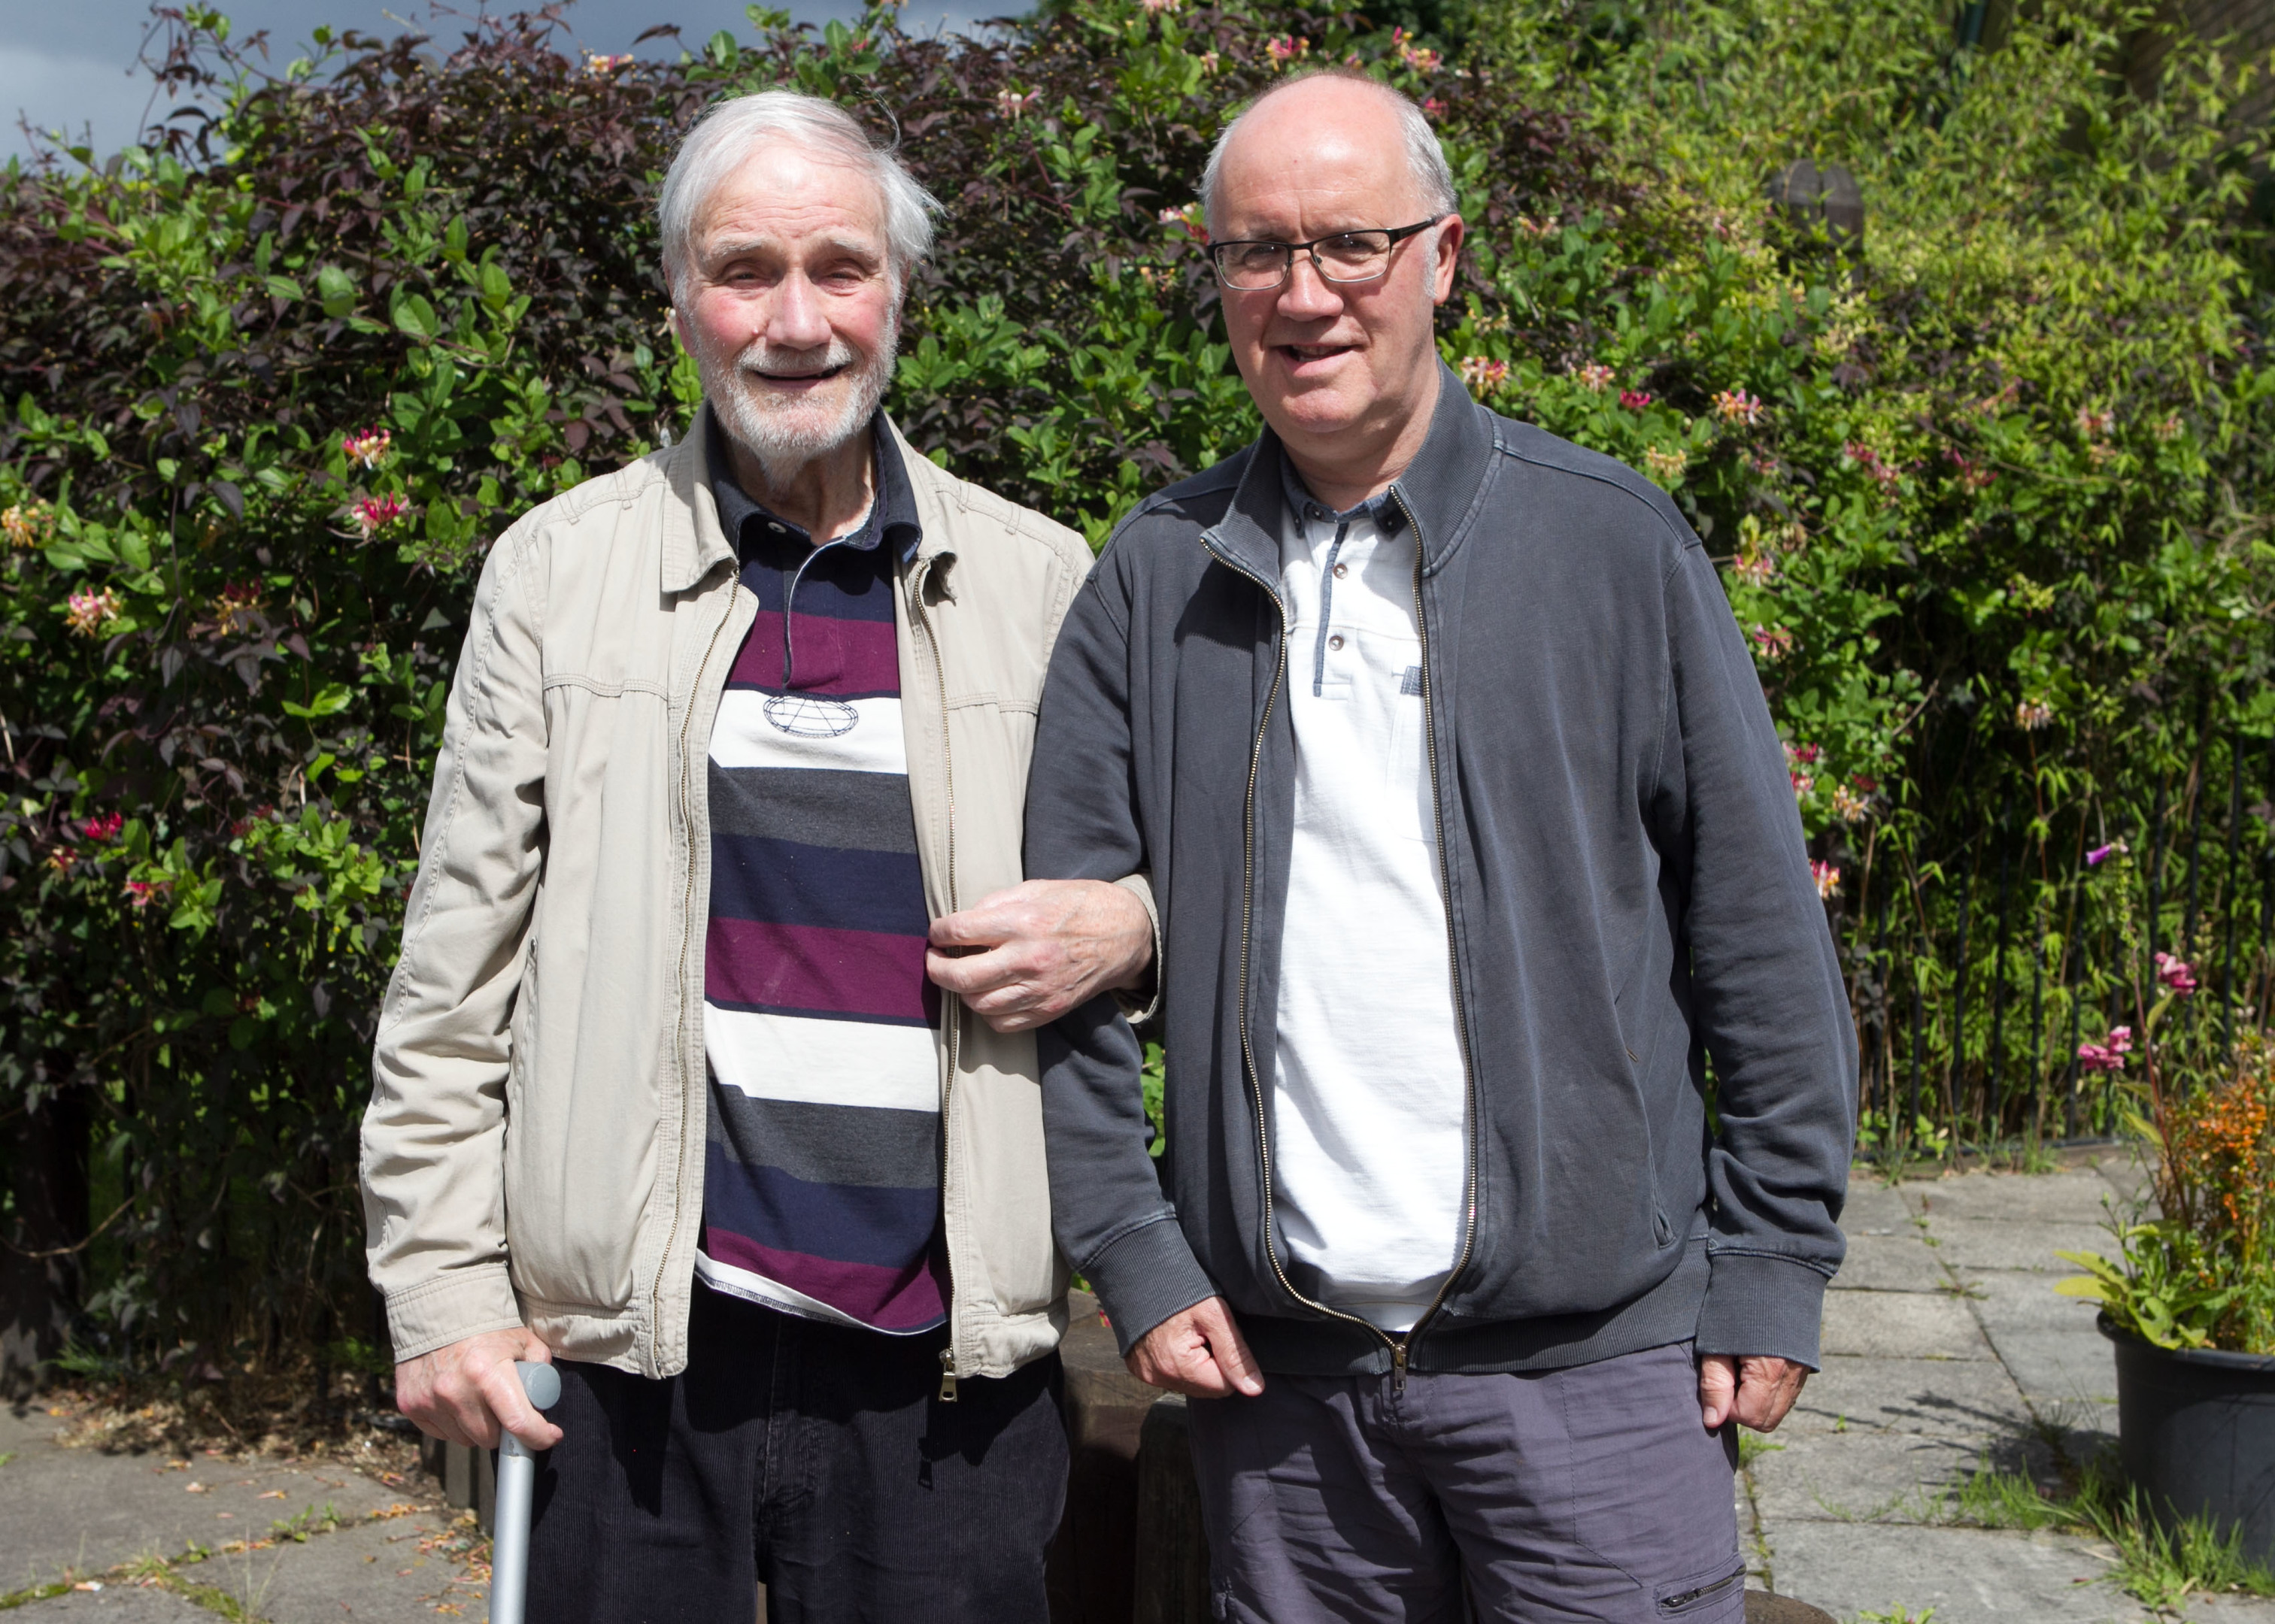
(533, 1150)
(1626, 893)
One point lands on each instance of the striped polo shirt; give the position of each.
(821, 1179)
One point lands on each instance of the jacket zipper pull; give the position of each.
(948, 1375)
(1398, 1365)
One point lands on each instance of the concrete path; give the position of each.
(151, 1538)
(1947, 1350)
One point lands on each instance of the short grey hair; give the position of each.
(1425, 158)
(730, 130)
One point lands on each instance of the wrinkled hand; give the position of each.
(1753, 1391)
(461, 1392)
(1021, 958)
(1199, 1352)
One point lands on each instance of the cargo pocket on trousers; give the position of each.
(1697, 1595)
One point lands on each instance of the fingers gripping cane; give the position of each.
(517, 1482)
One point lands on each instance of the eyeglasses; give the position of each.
(1347, 256)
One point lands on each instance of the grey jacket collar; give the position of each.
(1437, 490)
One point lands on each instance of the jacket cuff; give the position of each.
(1140, 1004)
(462, 1304)
(1762, 1306)
(1144, 1277)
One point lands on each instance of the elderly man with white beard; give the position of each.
(708, 1068)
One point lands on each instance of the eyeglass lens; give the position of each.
(1354, 256)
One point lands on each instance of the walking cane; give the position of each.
(517, 1482)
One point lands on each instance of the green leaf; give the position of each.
(335, 289)
(329, 700)
(415, 315)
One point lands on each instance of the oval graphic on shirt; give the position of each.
(811, 716)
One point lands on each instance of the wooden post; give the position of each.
(1995, 1061)
(1091, 1569)
(1173, 1560)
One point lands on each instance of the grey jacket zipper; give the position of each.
(1399, 1346)
(951, 1008)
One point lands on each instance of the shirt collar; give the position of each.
(892, 514)
(1386, 515)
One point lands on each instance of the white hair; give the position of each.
(730, 130)
(1425, 159)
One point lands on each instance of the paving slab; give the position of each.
(374, 1572)
(1901, 1325)
(1858, 1476)
(1890, 1261)
(1874, 1208)
(2019, 1244)
(86, 1510)
(2074, 1196)
(113, 1604)
(1967, 1575)
(1950, 1398)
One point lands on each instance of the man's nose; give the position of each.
(1307, 295)
(794, 318)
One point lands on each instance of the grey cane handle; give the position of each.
(516, 1481)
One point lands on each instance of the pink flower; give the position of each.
(1775, 642)
(2121, 1039)
(1417, 57)
(369, 446)
(2101, 853)
(103, 827)
(600, 66)
(2094, 424)
(1869, 460)
(1284, 48)
(1828, 881)
(87, 613)
(1483, 375)
(1154, 7)
(142, 893)
(1011, 103)
(1595, 375)
(1432, 108)
(2176, 973)
(1737, 406)
(2094, 1057)
(373, 514)
(1635, 400)
(1848, 805)
(1187, 220)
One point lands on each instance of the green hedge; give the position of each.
(1986, 493)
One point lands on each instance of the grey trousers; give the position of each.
(1586, 1493)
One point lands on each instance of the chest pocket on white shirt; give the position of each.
(1406, 763)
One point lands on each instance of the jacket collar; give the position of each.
(1436, 490)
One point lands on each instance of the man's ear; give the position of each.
(1449, 254)
(671, 320)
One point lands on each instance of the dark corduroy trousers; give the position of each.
(816, 1460)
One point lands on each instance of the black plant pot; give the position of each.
(2196, 1428)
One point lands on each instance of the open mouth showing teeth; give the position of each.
(1313, 352)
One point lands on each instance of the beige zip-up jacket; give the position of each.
(534, 1151)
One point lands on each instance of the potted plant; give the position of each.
(2190, 1301)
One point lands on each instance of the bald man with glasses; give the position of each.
(1472, 842)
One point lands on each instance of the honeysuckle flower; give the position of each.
(1188, 220)
(600, 65)
(1737, 406)
(60, 858)
(1806, 754)
(1865, 457)
(29, 523)
(1635, 400)
(142, 893)
(2093, 425)
(103, 826)
(1848, 805)
(2031, 715)
(1594, 376)
(2168, 426)
(1155, 8)
(1755, 568)
(1432, 108)
(2100, 855)
(1828, 880)
(1421, 60)
(1284, 48)
(88, 612)
(1482, 374)
(2177, 973)
(1775, 642)
(2121, 1039)
(367, 446)
(1664, 465)
(2099, 1057)
(1013, 104)
(237, 608)
(1209, 60)
(373, 514)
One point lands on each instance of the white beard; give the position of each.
(784, 433)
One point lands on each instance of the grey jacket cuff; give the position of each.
(1140, 1003)
(1762, 1305)
(452, 1308)
(1144, 1277)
